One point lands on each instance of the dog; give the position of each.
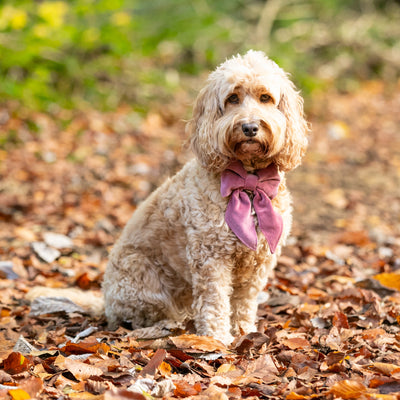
(201, 247)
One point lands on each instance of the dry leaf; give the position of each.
(358, 238)
(123, 394)
(340, 320)
(295, 396)
(16, 363)
(348, 389)
(371, 334)
(19, 394)
(224, 368)
(184, 389)
(154, 363)
(386, 368)
(296, 343)
(389, 279)
(336, 198)
(165, 369)
(81, 370)
(203, 343)
(90, 346)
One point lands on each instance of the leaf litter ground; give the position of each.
(329, 323)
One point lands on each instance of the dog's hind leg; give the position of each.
(137, 290)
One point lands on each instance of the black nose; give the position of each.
(250, 129)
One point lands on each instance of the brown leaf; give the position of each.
(296, 343)
(340, 320)
(83, 281)
(16, 363)
(251, 342)
(336, 198)
(154, 363)
(81, 370)
(90, 346)
(203, 343)
(123, 394)
(295, 396)
(386, 368)
(348, 389)
(357, 238)
(184, 389)
(371, 334)
(33, 386)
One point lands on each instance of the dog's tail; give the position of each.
(91, 302)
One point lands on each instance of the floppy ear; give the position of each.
(297, 129)
(201, 128)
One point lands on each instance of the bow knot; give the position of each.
(235, 180)
(250, 182)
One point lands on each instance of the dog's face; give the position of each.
(250, 111)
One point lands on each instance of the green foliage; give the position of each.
(78, 53)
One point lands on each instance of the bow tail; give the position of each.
(269, 221)
(239, 219)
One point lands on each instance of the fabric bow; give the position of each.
(235, 181)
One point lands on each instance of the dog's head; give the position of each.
(249, 110)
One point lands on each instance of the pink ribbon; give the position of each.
(235, 181)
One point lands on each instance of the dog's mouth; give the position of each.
(250, 148)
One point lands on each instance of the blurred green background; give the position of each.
(104, 53)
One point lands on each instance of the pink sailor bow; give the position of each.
(235, 181)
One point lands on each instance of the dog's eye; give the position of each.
(265, 98)
(233, 99)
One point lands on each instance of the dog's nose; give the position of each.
(250, 129)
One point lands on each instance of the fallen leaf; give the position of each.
(371, 334)
(33, 386)
(386, 368)
(340, 320)
(389, 279)
(16, 363)
(19, 394)
(123, 394)
(358, 238)
(45, 252)
(6, 270)
(184, 389)
(83, 281)
(295, 396)
(224, 368)
(296, 343)
(203, 343)
(165, 369)
(84, 347)
(348, 389)
(57, 240)
(25, 234)
(154, 363)
(50, 305)
(81, 370)
(336, 198)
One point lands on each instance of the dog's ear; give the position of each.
(297, 129)
(201, 128)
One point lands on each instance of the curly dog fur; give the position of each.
(176, 258)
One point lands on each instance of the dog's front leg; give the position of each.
(244, 297)
(212, 288)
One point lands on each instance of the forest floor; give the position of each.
(330, 327)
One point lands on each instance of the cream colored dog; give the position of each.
(177, 258)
